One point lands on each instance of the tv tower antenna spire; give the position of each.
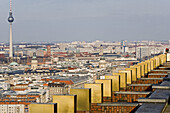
(10, 20)
(10, 5)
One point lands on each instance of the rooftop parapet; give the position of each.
(96, 92)
(123, 79)
(168, 57)
(129, 75)
(90, 98)
(83, 100)
(43, 108)
(65, 103)
(134, 73)
(138, 70)
(107, 87)
(115, 82)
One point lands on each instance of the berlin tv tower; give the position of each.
(10, 20)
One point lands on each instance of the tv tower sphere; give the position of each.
(10, 18)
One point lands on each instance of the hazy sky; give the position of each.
(70, 20)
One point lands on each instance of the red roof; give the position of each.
(45, 84)
(59, 52)
(19, 89)
(68, 82)
(25, 103)
(2, 56)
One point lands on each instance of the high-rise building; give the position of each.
(123, 46)
(142, 52)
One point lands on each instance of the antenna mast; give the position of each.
(10, 5)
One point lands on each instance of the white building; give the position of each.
(5, 86)
(11, 108)
(142, 52)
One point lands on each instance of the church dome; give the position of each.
(13, 64)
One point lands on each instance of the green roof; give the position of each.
(13, 63)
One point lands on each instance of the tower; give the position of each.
(101, 50)
(123, 46)
(10, 20)
(34, 62)
(48, 50)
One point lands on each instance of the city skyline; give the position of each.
(84, 56)
(86, 20)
